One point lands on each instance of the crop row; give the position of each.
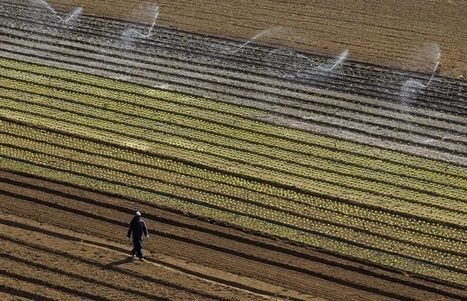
(123, 173)
(222, 62)
(253, 152)
(229, 136)
(196, 190)
(243, 165)
(235, 115)
(164, 118)
(97, 179)
(160, 171)
(253, 189)
(155, 139)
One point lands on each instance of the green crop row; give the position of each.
(111, 171)
(234, 115)
(154, 139)
(329, 210)
(156, 171)
(162, 119)
(123, 189)
(247, 155)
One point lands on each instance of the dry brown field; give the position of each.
(398, 33)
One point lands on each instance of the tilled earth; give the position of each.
(63, 242)
(403, 34)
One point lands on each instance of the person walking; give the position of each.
(136, 230)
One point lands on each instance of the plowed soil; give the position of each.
(62, 242)
(403, 34)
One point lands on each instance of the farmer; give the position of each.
(137, 229)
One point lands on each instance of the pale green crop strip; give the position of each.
(233, 109)
(243, 221)
(197, 183)
(221, 202)
(333, 211)
(164, 117)
(161, 120)
(357, 196)
(284, 166)
(213, 139)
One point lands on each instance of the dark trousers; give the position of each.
(137, 248)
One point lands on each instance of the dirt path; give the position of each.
(89, 270)
(195, 247)
(67, 259)
(404, 34)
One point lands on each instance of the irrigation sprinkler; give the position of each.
(258, 35)
(77, 11)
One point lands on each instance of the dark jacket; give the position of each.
(137, 228)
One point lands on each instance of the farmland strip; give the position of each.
(239, 112)
(322, 187)
(104, 114)
(434, 99)
(302, 212)
(234, 242)
(303, 103)
(164, 127)
(168, 288)
(308, 91)
(102, 25)
(112, 247)
(108, 149)
(254, 211)
(451, 134)
(406, 128)
(230, 167)
(370, 141)
(414, 266)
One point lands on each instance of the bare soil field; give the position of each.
(75, 239)
(403, 34)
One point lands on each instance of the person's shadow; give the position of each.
(119, 262)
